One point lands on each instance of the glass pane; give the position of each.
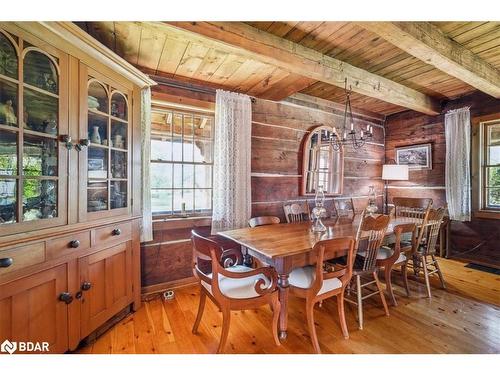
(203, 176)
(494, 155)
(203, 199)
(98, 129)
(188, 176)
(8, 58)
(40, 112)
(161, 201)
(118, 164)
(161, 175)
(118, 194)
(8, 200)
(161, 149)
(97, 97)
(188, 199)
(203, 151)
(178, 176)
(39, 199)
(161, 121)
(188, 150)
(177, 149)
(118, 134)
(39, 156)
(119, 106)
(493, 177)
(202, 127)
(8, 152)
(178, 200)
(8, 103)
(97, 196)
(40, 71)
(493, 198)
(494, 135)
(97, 163)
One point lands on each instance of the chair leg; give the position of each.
(440, 274)
(310, 324)
(382, 297)
(340, 306)
(201, 308)
(388, 284)
(276, 307)
(226, 318)
(359, 296)
(426, 276)
(404, 273)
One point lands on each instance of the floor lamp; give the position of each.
(393, 172)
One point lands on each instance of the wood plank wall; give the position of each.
(477, 240)
(278, 130)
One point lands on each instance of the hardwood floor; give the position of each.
(462, 319)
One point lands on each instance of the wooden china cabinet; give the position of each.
(70, 199)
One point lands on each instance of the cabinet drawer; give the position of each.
(71, 244)
(113, 234)
(23, 256)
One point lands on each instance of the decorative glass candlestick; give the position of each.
(372, 201)
(319, 210)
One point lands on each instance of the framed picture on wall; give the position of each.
(416, 157)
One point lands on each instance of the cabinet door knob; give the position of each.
(116, 232)
(74, 244)
(6, 262)
(66, 297)
(86, 285)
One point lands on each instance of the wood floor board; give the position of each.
(464, 318)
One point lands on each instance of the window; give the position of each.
(181, 162)
(491, 166)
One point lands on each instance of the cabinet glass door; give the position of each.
(32, 163)
(107, 167)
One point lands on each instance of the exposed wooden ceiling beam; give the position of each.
(429, 44)
(249, 41)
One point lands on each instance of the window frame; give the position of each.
(484, 165)
(175, 109)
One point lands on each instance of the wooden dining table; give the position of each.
(288, 246)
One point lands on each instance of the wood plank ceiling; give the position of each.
(156, 51)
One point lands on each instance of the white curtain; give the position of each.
(458, 143)
(232, 185)
(147, 219)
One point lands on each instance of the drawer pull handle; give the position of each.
(86, 285)
(74, 244)
(66, 297)
(6, 262)
(116, 232)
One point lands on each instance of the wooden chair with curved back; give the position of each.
(411, 208)
(263, 220)
(424, 257)
(314, 284)
(297, 211)
(371, 233)
(397, 254)
(231, 285)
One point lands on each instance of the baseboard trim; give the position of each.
(158, 288)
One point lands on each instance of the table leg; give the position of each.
(284, 291)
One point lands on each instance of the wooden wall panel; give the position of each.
(477, 240)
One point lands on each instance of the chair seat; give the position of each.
(384, 253)
(303, 277)
(238, 288)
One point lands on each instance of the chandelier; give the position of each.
(350, 137)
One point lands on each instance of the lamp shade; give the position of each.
(394, 172)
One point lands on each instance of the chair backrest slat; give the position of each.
(296, 212)
(371, 233)
(411, 208)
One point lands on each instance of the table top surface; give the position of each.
(281, 240)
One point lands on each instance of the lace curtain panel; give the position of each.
(458, 144)
(147, 219)
(232, 185)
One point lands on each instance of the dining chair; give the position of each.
(424, 258)
(371, 233)
(359, 204)
(411, 208)
(397, 255)
(231, 285)
(344, 207)
(263, 220)
(314, 284)
(297, 211)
